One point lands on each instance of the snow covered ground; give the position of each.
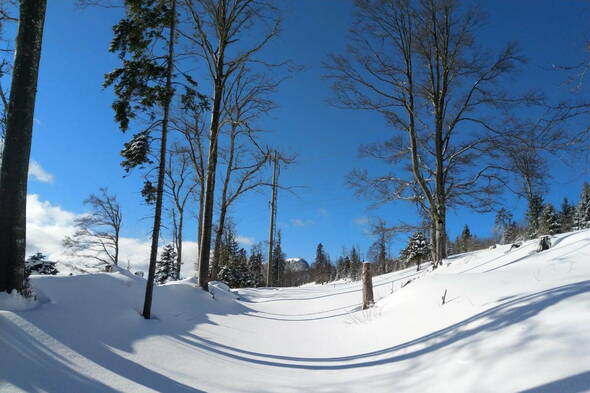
(513, 321)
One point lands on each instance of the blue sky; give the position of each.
(78, 143)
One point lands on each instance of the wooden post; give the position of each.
(367, 286)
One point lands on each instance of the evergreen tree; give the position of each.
(464, 241)
(533, 215)
(255, 265)
(549, 222)
(566, 215)
(343, 267)
(502, 223)
(237, 274)
(166, 266)
(321, 266)
(144, 40)
(38, 263)
(511, 232)
(278, 261)
(356, 265)
(582, 215)
(417, 249)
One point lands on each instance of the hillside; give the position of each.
(513, 321)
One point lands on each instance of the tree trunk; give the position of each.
(179, 243)
(147, 305)
(17, 144)
(205, 240)
(367, 286)
(224, 204)
(200, 224)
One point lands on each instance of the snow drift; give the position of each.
(513, 321)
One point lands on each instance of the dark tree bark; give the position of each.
(367, 286)
(17, 145)
(147, 306)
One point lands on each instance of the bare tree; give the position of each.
(17, 145)
(528, 145)
(189, 123)
(417, 63)
(246, 100)
(97, 233)
(217, 27)
(180, 187)
(379, 250)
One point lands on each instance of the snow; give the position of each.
(14, 301)
(513, 321)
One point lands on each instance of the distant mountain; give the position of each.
(297, 264)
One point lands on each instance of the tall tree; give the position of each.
(180, 187)
(97, 233)
(419, 65)
(582, 215)
(17, 144)
(191, 126)
(145, 41)
(549, 223)
(217, 27)
(166, 266)
(533, 215)
(566, 215)
(379, 250)
(246, 100)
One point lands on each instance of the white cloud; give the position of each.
(38, 173)
(245, 240)
(300, 223)
(363, 220)
(48, 225)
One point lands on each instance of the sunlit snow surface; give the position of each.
(513, 321)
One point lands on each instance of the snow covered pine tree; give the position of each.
(166, 266)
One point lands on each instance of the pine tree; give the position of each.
(166, 266)
(502, 222)
(511, 232)
(566, 215)
(343, 267)
(38, 263)
(533, 214)
(417, 249)
(549, 222)
(144, 40)
(582, 215)
(356, 265)
(464, 241)
(278, 267)
(321, 265)
(255, 265)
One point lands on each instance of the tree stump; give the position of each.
(367, 286)
(544, 244)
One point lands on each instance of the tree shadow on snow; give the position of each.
(573, 384)
(494, 319)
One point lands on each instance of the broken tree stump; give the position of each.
(544, 243)
(367, 286)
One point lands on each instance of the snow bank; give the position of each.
(14, 301)
(221, 291)
(513, 321)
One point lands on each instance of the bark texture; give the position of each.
(17, 146)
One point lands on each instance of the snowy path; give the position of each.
(515, 321)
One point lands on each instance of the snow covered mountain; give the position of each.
(512, 321)
(297, 264)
